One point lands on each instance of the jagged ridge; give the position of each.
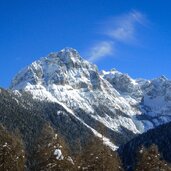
(114, 99)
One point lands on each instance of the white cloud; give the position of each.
(101, 49)
(123, 28)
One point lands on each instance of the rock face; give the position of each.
(152, 97)
(123, 105)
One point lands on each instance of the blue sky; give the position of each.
(129, 35)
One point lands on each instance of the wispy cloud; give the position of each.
(124, 28)
(100, 50)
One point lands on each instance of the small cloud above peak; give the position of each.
(101, 49)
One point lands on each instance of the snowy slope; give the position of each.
(111, 98)
(152, 97)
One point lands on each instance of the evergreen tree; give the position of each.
(12, 155)
(97, 157)
(52, 152)
(150, 160)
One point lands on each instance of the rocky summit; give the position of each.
(123, 105)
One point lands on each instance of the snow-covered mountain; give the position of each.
(123, 105)
(153, 97)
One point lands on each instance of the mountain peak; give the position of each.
(66, 55)
(59, 68)
(68, 49)
(111, 97)
(163, 77)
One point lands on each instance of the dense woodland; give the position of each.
(160, 136)
(51, 153)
